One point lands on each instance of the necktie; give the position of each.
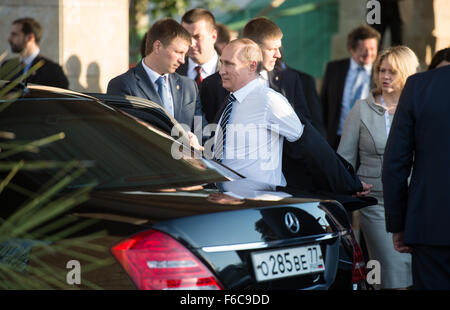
(163, 94)
(198, 78)
(219, 147)
(358, 86)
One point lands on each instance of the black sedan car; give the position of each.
(163, 226)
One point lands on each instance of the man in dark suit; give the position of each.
(311, 96)
(345, 81)
(24, 39)
(154, 78)
(418, 213)
(313, 101)
(202, 60)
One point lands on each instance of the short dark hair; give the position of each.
(260, 29)
(439, 57)
(143, 45)
(223, 33)
(29, 25)
(165, 31)
(362, 32)
(197, 14)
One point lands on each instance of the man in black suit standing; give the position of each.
(202, 60)
(345, 81)
(155, 79)
(311, 96)
(24, 39)
(313, 101)
(418, 213)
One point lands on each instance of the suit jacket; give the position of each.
(364, 139)
(287, 82)
(313, 101)
(49, 74)
(314, 166)
(314, 170)
(186, 101)
(419, 140)
(331, 97)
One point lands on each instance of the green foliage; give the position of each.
(42, 226)
(142, 10)
(173, 8)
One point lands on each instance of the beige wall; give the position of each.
(89, 38)
(442, 22)
(45, 11)
(426, 26)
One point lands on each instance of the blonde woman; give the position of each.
(364, 137)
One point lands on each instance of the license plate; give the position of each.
(288, 262)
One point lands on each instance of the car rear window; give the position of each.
(119, 151)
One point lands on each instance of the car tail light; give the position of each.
(156, 261)
(359, 273)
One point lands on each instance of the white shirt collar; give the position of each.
(354, 66)
(241, 93)
(264, 78)
(28, 60)
(208, 68)
(264, 74)
(153, 75)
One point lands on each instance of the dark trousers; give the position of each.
(390, 18)
(431, 267)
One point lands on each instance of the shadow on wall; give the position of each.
(427, 50)
(92, 76)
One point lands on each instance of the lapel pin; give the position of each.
(276, 78)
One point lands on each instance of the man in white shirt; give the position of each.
(268, 36)
(254, 123)
(203, 59)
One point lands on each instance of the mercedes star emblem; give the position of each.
(292, 222)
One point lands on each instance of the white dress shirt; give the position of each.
(29, 60)
(347, 95)
(208, 68)
(153, 76)
(260, 119)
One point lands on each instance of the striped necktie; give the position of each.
(219, 147)
(163, 94)
(198, 78)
